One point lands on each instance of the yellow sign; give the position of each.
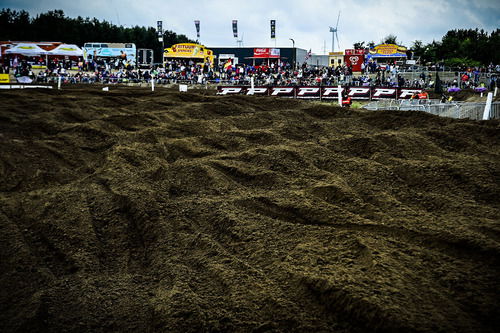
(388, 49)
(4, 78)
(189, 50)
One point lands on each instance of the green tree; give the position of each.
(55, 26)
(359, 45)
(390, 39)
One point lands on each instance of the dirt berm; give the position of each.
(132, 211)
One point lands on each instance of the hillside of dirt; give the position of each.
(133, 211)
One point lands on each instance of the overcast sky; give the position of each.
(306, 21)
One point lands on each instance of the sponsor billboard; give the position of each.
(354, 52)
(4, 78)
(308, 92)
(354, 61)
(388, 50)
(380, 93)
(359, 92)
(331, 92)
(266, 53)
(317, 92)
(186, 50)
(282, 91)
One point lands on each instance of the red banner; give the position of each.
(266, 53)
(354, 52)
(354, 61)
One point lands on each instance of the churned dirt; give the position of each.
(132, 211)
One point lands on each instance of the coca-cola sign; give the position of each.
(266, 53)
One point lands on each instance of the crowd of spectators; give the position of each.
(275, 74)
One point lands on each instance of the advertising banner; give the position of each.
(273, 29)
(26, 49)
(315, 92)
(360, 92)
(308, 92)
(380, 93)
(4, 78)
(197, 25)
(260, 91)
(266, 53)
(128, 51)
(274, 53)
(69, 50)
(388, 50)
(187, 50)
(354, 52)
(354, 61)
(235, 28)
(282, 91)
(406, 93)
(331, 92)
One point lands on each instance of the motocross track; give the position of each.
(132, 211)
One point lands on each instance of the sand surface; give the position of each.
(129, 211)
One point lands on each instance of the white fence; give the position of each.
(458, 110)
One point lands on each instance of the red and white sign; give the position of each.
(308, 92)
(266, 53)
(359, 92)
(407, 93)
(230, 90)
(354, 52)
(258, 91)
(331, 92)
(282, 91)
(354, 61)
(379, 93)
(363, 93)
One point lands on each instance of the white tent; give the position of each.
(26, 49)
(70, 50)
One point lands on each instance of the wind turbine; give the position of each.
(334, 34)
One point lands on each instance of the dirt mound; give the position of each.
(134, 211)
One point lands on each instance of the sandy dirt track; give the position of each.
(130, 211)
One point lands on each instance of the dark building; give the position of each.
(249, 56)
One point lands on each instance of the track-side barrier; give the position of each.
(23, 86)
(321, 92)
(459, 110)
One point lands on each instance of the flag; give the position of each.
(273, 29)
(228, 64)
(159, 28)
(197, 25)
(235, 28)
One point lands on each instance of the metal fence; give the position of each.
(458, 110)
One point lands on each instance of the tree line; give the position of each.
(55, 26)
(460, 47)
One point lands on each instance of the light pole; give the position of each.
(293, 52)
